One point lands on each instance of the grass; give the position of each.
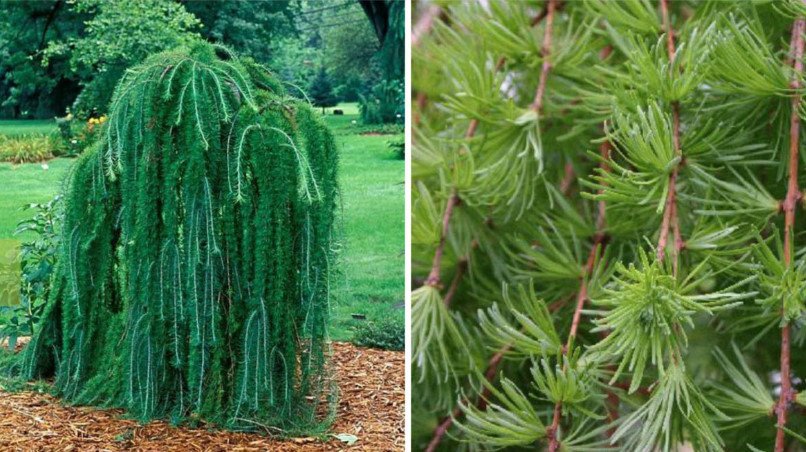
(370, 228)
(25, 184)
(13, 127)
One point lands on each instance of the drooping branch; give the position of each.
(793, 196)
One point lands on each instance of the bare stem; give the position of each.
(670, 219)
(582, 296)
(793, 196)
(433, 277)
(545, 51)
(424, 24)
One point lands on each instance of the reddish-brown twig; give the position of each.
(582, 296)
(433, 277)
(489, 376)
(548, 14)
(424, 24)
(670, 218)
(545, 52)
(789, 205)
(461, 269)
(422, 101)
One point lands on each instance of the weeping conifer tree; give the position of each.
(192, 281)
(608, 234)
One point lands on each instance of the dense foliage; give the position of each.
(37, 259)
(386, 334)
(118, 35)
(56, 54)
(320, 93)
(384, 104)
(608, 234)
(27, 87)
(192, 279)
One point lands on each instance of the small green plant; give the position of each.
(321, 91)
(398, 146)
(387, 334)
(26, 148)
(385, 103)
(76, 133)
(38, 257)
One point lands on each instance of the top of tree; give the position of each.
(321, 90)
(118, 35)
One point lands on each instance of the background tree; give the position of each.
(608, 235)
(251, 27)
(57, 51)
(321, 91)
(27, 87)
(349, 54)
(118, 35)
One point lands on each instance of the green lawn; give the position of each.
(370, 227)
(25, 184)
(25, 127)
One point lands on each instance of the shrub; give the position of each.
(76, 134)
(38, 258)
(26, 148)
(385, 103)
(378, 129)
(398, 147)
(193, 279)
(388, 334)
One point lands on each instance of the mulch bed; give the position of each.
(371, 407)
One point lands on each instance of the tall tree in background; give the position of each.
(321, 91)
(27, 87)
(608, 235)
(388, 18)
(118, 35)
(251, 27)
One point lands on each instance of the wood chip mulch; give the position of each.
(371, 407)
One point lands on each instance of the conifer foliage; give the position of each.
(609, 244)
(192, 280)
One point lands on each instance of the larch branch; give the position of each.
(545, 51)
(424, 24)
(670, 219)
(793, 196)
(547, 13)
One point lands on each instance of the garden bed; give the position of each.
(371, 407)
